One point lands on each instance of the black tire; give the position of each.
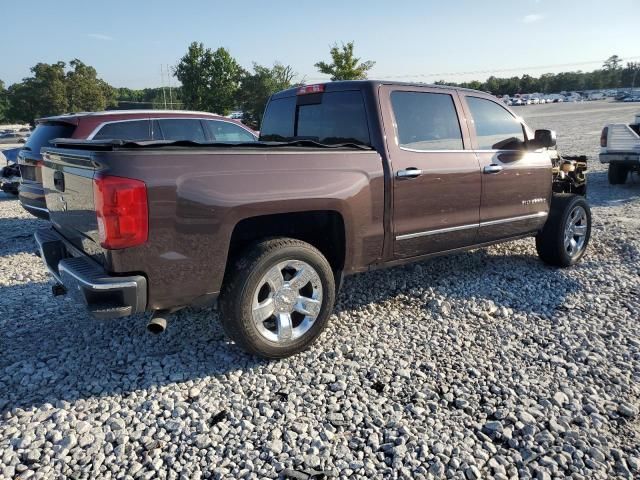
(240, 286)
(618, 173)
(550, 242)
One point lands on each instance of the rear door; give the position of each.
(436, 176)
(516, 181)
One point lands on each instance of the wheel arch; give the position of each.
(325, 229)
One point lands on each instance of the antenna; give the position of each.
(169, 82)
(164, 96)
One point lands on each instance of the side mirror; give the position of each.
(545, 138)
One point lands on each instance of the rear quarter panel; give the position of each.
(196, 198)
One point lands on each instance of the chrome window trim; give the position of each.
(471, 150)
(489, 223)
(151, 119)
(514, 219)
(415, 150)
(427, 233)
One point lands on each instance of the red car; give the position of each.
(134, 125)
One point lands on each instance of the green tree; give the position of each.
(193, 72)
(257, 87)
(40, 95)
(85, 91)
(48, 87)
(630, 75)
(210, 80)
(344, 65)
(614, 62)
(4, 103)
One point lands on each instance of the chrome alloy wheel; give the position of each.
(287, 301)
(575, 231)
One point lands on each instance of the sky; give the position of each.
(128, 42)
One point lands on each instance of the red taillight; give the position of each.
(121, 207)
(603, 136)
(307, 89)
(40, 163)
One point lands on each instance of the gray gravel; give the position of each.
(483, 364)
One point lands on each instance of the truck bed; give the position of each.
(197, 193)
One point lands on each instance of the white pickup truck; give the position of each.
(621, 150)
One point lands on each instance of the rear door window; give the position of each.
(277, 124)
(45, 132)
(496, 128)
(329, 118)
(176, 129)
(132, 130)
(221, 131)
(426, 121)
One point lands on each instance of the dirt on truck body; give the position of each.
(347, 177)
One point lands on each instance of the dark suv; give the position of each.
(138, 125)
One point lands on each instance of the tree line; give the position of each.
(612, 75)
(214, 81)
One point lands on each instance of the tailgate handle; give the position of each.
(58, 180)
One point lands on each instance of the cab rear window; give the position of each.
(329, 118)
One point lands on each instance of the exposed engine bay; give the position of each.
(569, 173)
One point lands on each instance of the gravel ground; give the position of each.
(483, 364)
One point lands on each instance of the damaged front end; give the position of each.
(569, 173)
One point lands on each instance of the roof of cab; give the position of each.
(360, 84)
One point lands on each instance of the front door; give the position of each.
(436, 175)
(516, 182)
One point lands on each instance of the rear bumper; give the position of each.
(630, 158)
(32, 199)
(105, 296)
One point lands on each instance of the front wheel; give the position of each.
(617, 173)
(278, 297)
(565, 236)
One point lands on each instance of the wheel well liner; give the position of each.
(324, 229)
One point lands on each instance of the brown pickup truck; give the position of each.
(348, 177)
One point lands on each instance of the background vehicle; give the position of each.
(271, 228)
(13, 137)
(9, 171)
(620, 148)
(127, 125)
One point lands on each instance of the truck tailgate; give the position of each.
(68, 185)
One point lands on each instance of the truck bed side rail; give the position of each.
(622, 138)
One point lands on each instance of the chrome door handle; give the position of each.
(410, 172)
(493, 168)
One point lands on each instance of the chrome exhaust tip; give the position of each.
(157, 324)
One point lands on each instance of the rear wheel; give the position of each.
(565, 236)
(617, 173)
(278, 298)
